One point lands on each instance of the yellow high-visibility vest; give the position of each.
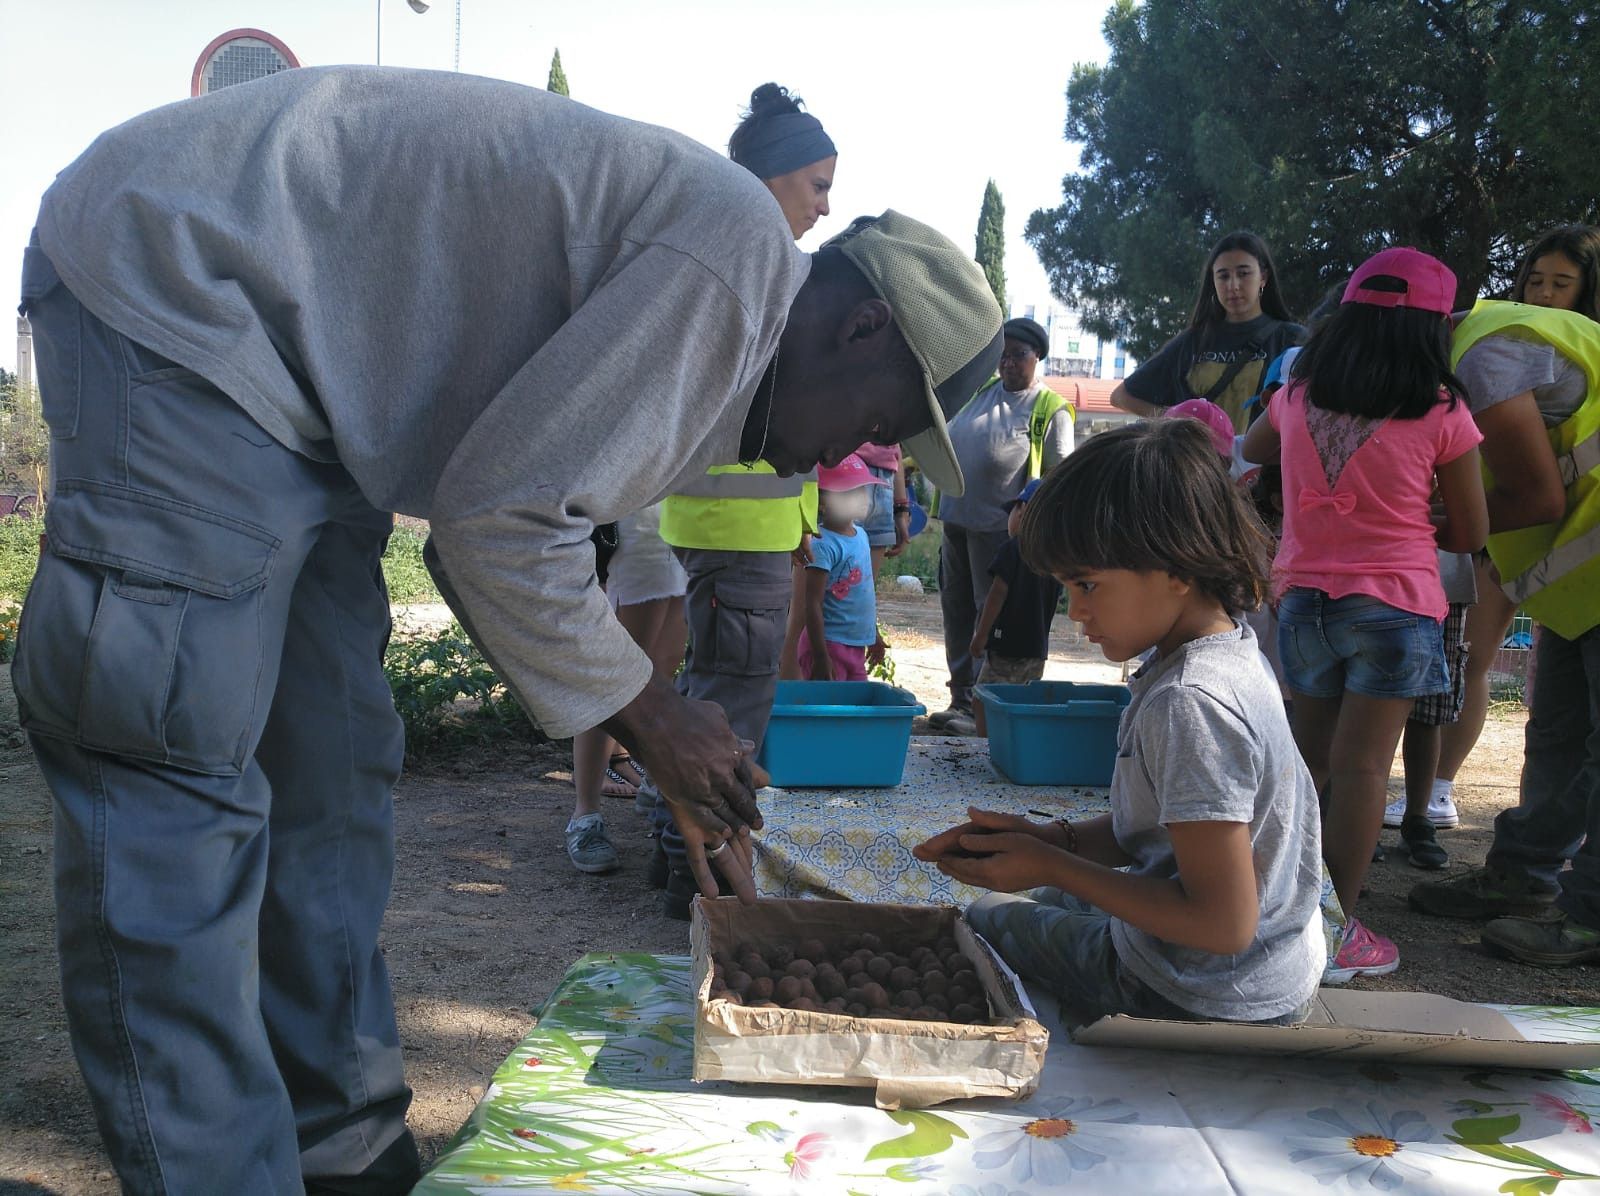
(741, 508)
(1552, 571)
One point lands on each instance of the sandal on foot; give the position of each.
(629, 769)
(614, 784)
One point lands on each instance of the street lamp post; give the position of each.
(417, 6)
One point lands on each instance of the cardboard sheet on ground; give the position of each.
(598, 1098)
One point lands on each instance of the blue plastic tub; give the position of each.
(839, 734)
(1054, 732)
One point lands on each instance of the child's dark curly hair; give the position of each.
(1151, 497)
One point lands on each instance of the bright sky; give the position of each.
(926, 99)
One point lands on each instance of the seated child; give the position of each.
(1213, 814)
(1012, 635)
(841, 608)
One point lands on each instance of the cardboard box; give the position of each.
(909, 1064)
(1399, 1026)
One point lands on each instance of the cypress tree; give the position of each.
(992, 242)
(558, 77)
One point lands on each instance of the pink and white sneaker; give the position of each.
(1361, 954)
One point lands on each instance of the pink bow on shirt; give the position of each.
(1342, 503)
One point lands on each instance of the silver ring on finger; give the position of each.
(714, 852)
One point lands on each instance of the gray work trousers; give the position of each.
(737, 605)
(1558, 818)
(964, 560)
(199, 670)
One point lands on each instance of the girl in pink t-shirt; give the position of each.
(1380, 468)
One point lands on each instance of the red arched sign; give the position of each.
(238, 56)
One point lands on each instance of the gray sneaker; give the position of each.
(587, 845)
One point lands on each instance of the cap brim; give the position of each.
(935, 455)
(932, 448)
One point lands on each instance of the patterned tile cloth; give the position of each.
(597, 1098)
(856, 844)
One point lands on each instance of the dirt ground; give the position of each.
(473, 944)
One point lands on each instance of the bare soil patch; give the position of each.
(487, 914)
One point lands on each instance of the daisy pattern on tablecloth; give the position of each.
(1373, 1149)
(1069, 1134)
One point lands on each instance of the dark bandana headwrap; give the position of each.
(785, 143)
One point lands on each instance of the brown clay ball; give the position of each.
(903, 977)
(813, 950)
(935, 982)
(805, 1003)
(855, 1009)
(935, 1001)
(960, 994)
(830, 984)
(874, 996)
(927, 1013)
(871, 942)
(834, 1005)
(755, 965)
(760, 989)
(964, 1013)
(780, 958)
(908, 998)
(739, 982)
(801, 968)
(788, 990)
(879, 968)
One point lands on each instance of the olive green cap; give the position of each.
(945, 310)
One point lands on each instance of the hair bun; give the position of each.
(771, 100)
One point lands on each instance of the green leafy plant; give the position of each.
(403, 571)
(447, 695)
(884, 669)
(19, 554)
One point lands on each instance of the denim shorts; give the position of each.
(879, 523)
(1357, 643)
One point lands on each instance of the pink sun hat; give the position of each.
(849, 474)
(1215, 419)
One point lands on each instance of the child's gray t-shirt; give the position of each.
(1205, 739)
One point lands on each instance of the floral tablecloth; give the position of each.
(597, 1098)
(855, 844)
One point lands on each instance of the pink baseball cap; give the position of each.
(1216, 420)
(847, 475)
(1430, 284)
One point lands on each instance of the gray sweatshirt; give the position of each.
(500, 310)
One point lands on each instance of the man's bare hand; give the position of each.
(705, 773)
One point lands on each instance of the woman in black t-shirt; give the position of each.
(1240, 324)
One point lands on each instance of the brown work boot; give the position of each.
(1552, 940)
(1483, 893)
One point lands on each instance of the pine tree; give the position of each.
(992, 242)
(558, 77)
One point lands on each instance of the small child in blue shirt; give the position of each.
(841, 606)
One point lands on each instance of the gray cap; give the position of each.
(945, 310)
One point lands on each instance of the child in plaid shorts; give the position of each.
(1428, 804)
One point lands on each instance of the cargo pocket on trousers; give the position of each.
(142, 632)
(749, 626)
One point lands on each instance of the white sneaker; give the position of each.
(1441, 811)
